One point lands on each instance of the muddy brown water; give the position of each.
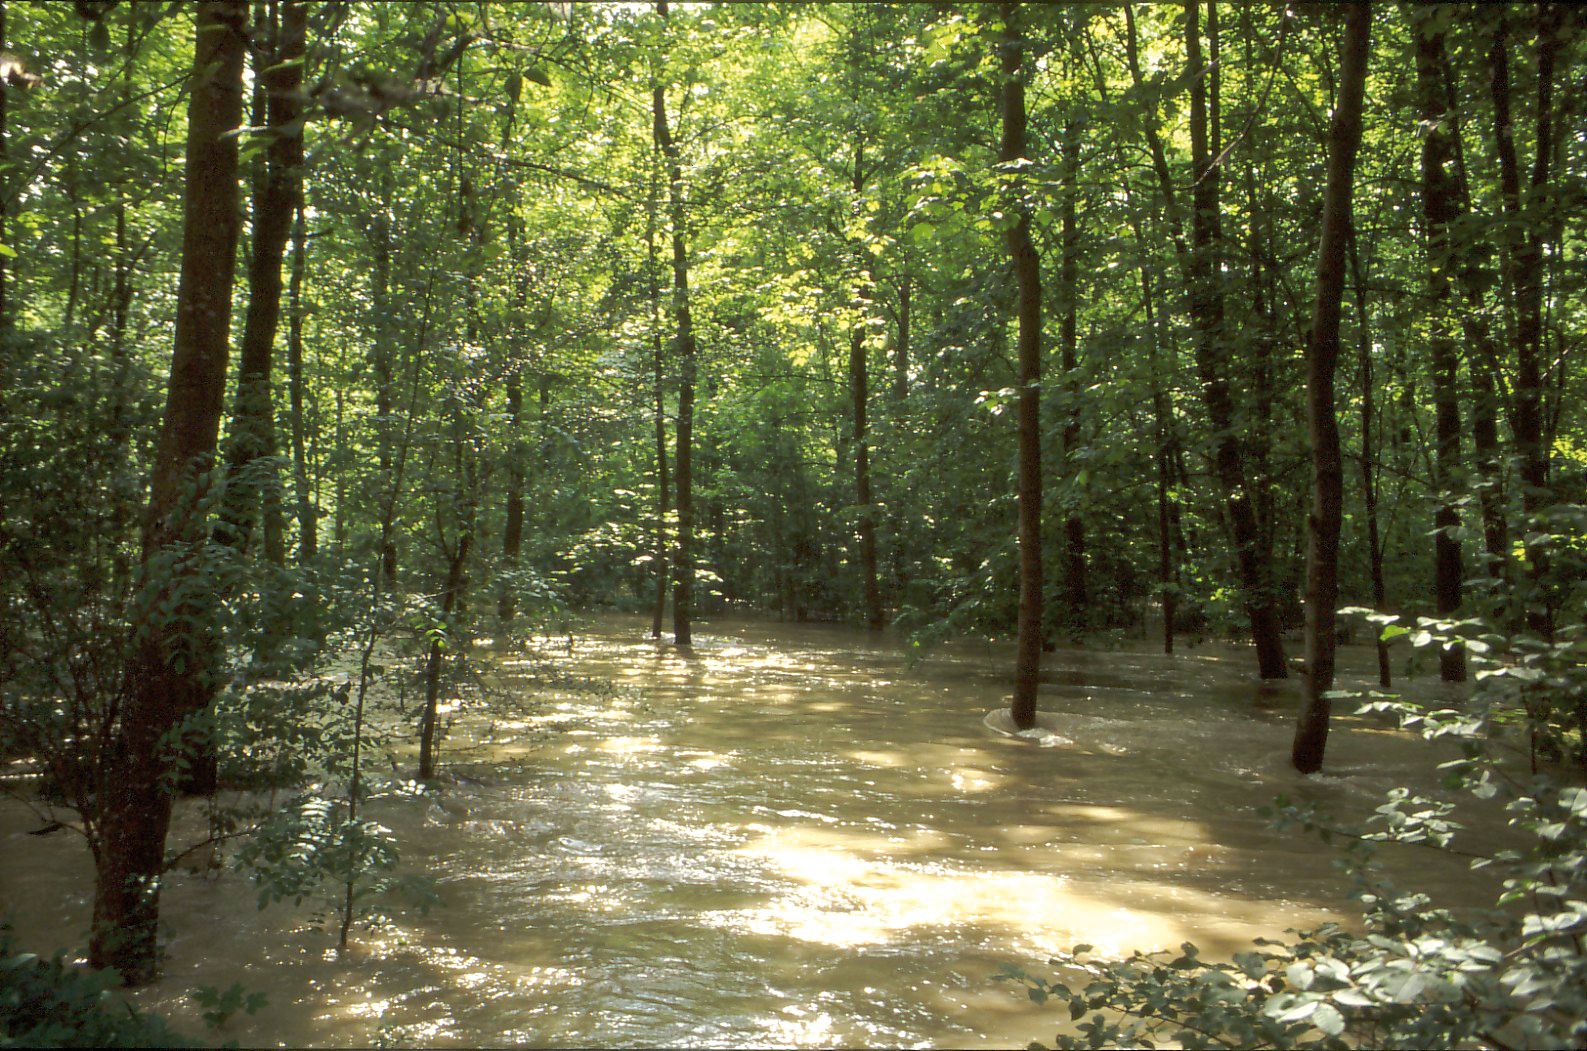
(790, 837)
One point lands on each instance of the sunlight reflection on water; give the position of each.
(790, 837)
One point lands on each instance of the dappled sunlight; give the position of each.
(783, 839)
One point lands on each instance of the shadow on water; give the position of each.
(792, 836)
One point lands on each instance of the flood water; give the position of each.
(790, 837)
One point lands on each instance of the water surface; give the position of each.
(788, 837)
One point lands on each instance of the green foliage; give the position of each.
(54, 1003)
(219, 1005)
(1420, 975)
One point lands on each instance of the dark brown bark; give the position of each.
(278, 75)
(1213, 368)
(684, 346)
(1440, 208)
(1074, 564)
(451, 592)
(380, 235)
(1168, 582)
(5, 184)
(1027, 274)
(308, 516)
(170, 671)
(901, 343)
(1369, 456)
(1322, 358)
(859, 393)
(512, 526)
(658, 391)
(1523, 247)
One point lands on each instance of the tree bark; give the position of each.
(1322, 358)
(683, 587)
(168, 680)
(451, 592)
(279, 75)
(512, 526)
(1207, 320)
(1027, 274)
(1524, 253)
(859, 392)
(5, 185)
(1440, 208)
(308, 520)
(1074, 567)
(1369, 456)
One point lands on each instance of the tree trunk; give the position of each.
(279, 75)
(5, 186)
(308, 521)
(451, 591)
(1074, 568)
(512, 527)
(658, 391)
(169, 677)
(1322, 358)
(1369, 459)
(901, 346)
(1206, 309)
(683, 588)
(859, 392)
(382, 362)
(1524, 252)
(1440, 208)
(1027, 273)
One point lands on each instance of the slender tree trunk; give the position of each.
(683, 588)
(1322, 357)
(1369, 460)
(383, 364)
(859, 392)
(512, 527)
(277, 192)
(1163, 433)
(451, 592)
(169, 678)
(1206, 309)
(1207, 315)
(1027, 273)
(1440, 208)
(308, 521)
(901, 345)
(1524, 252)
(658, 391)
(5, 186)
(1074, 567)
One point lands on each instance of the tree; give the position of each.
(1013, 157)
(172, 666)
(1322, 359)
(686, 351)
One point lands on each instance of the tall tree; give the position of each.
(1440, 208)
(1012, 154)
(1524, 254)
(859, 392)
(1322, 358)
(169, 678)
(1198, 261)
(278, 51)
(684, 347)
(1074, 549)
